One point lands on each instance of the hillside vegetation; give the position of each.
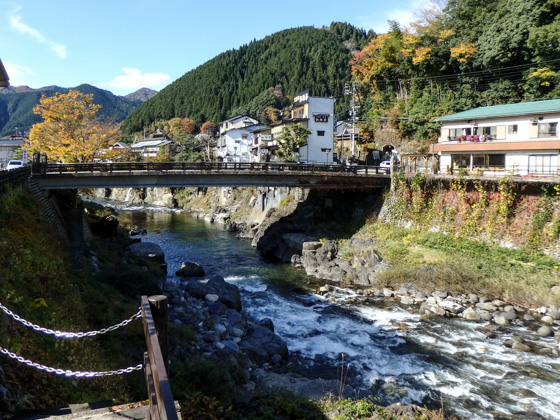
(297, 59)
(466, 54)
(458, 55)
(40, 282)
(16, 106)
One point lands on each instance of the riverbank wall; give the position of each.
(327, 233)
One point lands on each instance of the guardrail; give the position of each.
(155, 318)
(205, 166)
(14, 177)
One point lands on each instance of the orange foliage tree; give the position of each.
(69, 131)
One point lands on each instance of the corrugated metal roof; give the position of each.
(524, 108)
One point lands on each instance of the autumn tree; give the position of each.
(208, 128)
(70, 131)
(178, 127)
(292, 138)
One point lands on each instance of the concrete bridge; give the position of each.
(206, 174)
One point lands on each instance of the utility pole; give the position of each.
(353, 112)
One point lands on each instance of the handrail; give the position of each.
(154, 316)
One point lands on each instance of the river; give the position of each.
(440, 361)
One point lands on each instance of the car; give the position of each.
(14, 164)
(385, 164)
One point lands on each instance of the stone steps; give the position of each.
(49, 210)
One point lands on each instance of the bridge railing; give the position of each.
(208, 166)
(14, 177)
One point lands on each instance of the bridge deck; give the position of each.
(185, 174)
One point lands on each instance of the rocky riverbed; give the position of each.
(531, 329)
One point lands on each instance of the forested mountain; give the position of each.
(297, 59)
(16, 105)
(459, 55)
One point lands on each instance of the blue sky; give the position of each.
(123, 45)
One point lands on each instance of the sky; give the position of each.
(124, 45)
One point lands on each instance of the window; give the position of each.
(512, 129)
(487, 132)
(497, 160)
(547, 129)
(320, 133)
(542, 164)
(244, 136)
(455, 133)
(322, 118)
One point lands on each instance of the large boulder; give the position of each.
(105, 227)
(227, 293)
(190, 269)
(262, 344)
(148, 250)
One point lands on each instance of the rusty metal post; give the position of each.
(158, 306)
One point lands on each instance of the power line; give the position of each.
(486, 75)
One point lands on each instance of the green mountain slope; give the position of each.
(298, 59)
(16, 106)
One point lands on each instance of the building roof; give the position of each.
(151, 143)
(4, 79)
(256, 127)
(510, 110)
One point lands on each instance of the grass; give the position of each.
(459, 265)
(40, 283)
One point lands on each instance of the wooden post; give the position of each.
(158, 306)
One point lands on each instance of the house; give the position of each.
(8, 146)
(236, 139)
(347, 138)
(149, 148)
(317, 115)
(263, 147)
(519, 139)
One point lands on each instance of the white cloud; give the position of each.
(403, 15)
(18, 25)
(17, 73)
(134, 79)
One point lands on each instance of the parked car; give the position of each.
(14, 164)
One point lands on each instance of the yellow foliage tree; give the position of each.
(463, 52)
(69, 131)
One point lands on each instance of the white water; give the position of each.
(432, 362)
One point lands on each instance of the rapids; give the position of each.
(394, 355)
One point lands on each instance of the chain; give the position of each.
(69, 373)
(62, 334)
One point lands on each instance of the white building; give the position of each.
(149, 148)
(518, 139)
(317, 115)
(263, 147)
(236, 139)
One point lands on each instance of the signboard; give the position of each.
(266, 137)
(301, 98)
(24, 156)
